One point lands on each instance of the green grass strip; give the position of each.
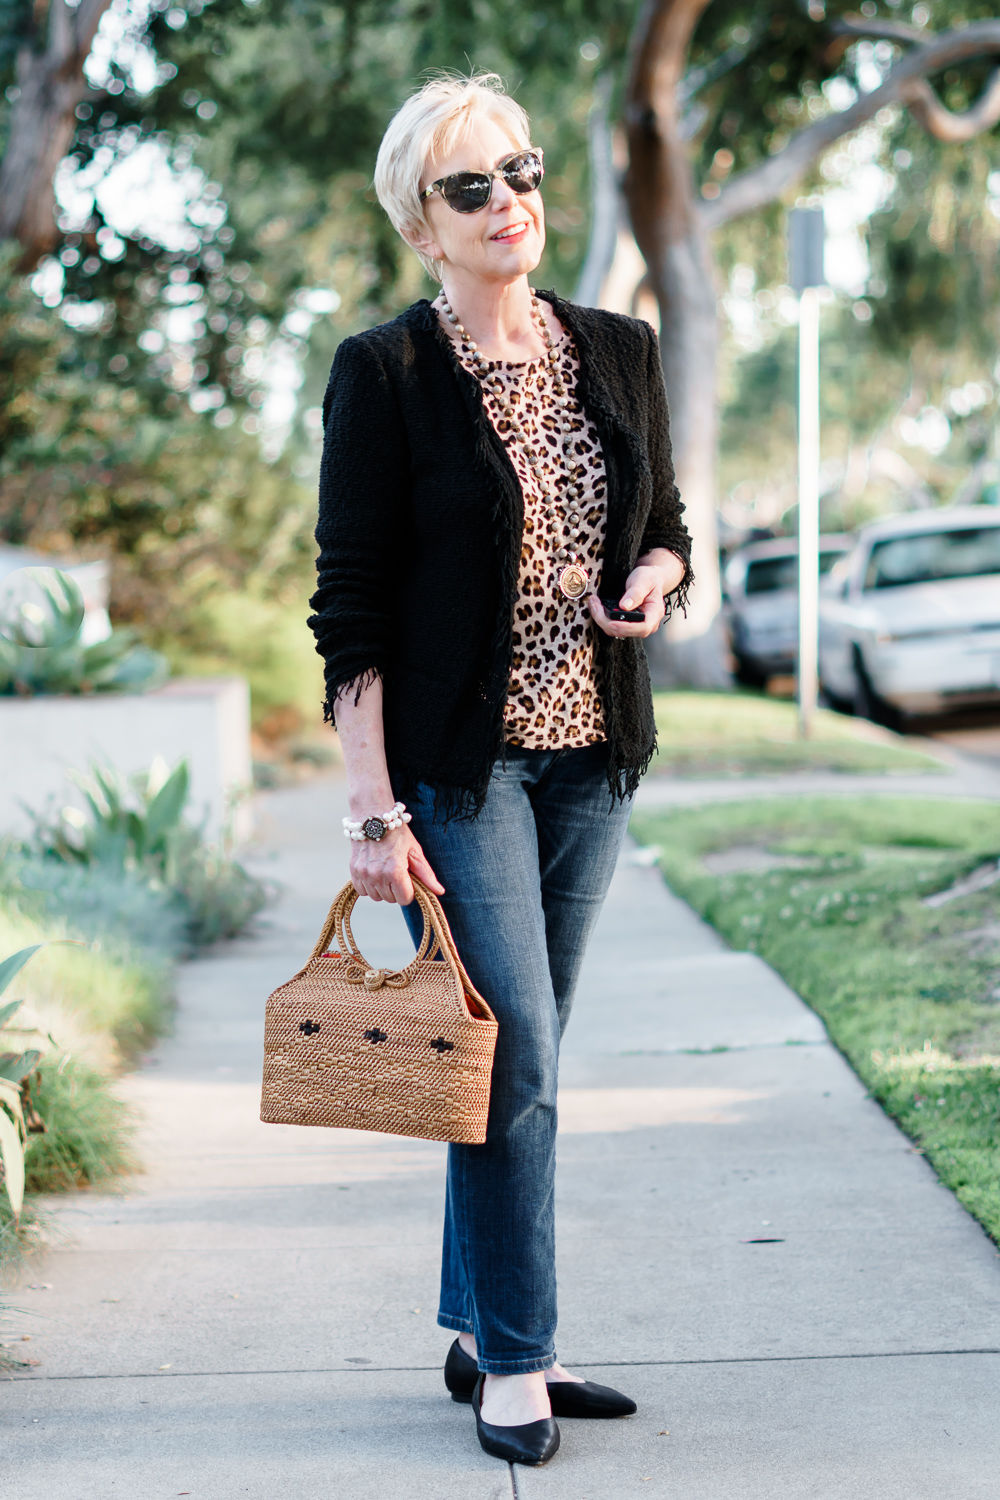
(733, 734)
(832, 893)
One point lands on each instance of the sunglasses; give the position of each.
(466, 192)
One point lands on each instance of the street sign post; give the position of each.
(806, 238)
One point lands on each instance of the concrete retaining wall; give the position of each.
(206, 720)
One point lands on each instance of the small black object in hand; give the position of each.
(613, 612)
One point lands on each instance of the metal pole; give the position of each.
(808, 505)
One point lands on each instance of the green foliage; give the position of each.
(264, 639)
(89, 1131)
(60, 1125)
(54, 623)
(17, 1062)
(134, 827)
(935, 262)
(133, 819)
(833, 893)
(100, 453)
(103, 996)
(95, 901)
(41, 651)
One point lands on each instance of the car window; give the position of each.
(766, 574)
(932, 556)
(769, 573)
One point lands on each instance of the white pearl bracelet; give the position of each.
(378, 825)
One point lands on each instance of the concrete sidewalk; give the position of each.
(747, 1244)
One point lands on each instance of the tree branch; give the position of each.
(943, 124)
(859, 28)
(761, 184)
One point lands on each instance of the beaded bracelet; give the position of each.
(378, 825)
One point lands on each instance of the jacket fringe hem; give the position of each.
(340, 691)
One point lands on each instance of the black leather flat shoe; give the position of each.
(569, 1398)
(460, 1373)
(582, 1398)
(532, 1443)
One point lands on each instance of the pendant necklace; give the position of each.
(573, 578)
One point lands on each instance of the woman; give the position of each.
(496, 464)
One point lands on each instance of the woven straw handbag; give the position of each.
(409, 1051)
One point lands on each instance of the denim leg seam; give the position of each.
(463, 1324)
(456, 1325)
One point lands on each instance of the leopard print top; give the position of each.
(553, 698)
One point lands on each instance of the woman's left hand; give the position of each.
(645, 587)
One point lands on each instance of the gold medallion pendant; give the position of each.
(574, 581)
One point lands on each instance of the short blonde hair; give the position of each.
(429, 124)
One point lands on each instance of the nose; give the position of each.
(503, 196)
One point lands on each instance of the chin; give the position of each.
(521, 260)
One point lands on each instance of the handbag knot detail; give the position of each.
(374, 979)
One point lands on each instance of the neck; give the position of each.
(494, 313)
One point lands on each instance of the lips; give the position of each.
(509, 232)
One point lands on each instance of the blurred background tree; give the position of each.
(212, 234)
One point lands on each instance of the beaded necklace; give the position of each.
(564, 505)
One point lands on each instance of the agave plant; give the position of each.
(41, 650)
(130, 822)
(18, 1117)
(25, 622)
(135, 826)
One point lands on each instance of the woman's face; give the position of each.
(497, 243)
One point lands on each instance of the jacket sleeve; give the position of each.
(362, 483)
(664, 527)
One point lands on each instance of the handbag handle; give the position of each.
(345, 903)
(435, 939)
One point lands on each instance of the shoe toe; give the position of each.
(571, 1398)
(532, 1443)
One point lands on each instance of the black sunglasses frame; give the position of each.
(499, 170)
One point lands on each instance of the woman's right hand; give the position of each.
(381, 868)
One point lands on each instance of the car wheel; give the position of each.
(867, 703)
(747, 672)
(826, 699)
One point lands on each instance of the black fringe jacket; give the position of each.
(419, 534)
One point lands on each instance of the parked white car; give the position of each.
(910, 620)
(762, 604)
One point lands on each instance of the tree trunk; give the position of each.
(50, 85)
(660, 194)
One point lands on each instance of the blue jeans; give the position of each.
(524, 882)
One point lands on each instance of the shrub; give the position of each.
(267, 641)
(102, 999)
(41, 650)
(18, 1058)
(89, 1132)
(134, 827)
(96, 901)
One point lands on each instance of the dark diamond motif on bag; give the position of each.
(375, 1035)
(441, 1046)
(309, 1027)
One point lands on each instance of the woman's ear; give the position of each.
(422, 240)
